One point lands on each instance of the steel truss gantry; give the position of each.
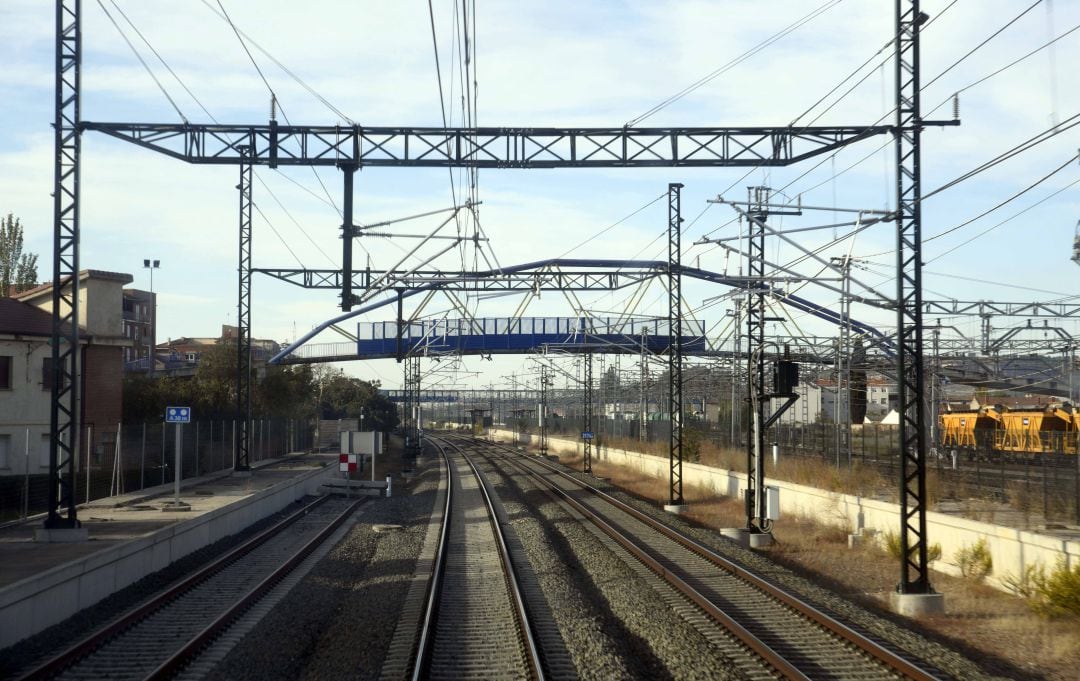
(489, 147)
(354, 147)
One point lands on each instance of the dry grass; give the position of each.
(803, 471)
(998, 629)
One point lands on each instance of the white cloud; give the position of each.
(543, 64)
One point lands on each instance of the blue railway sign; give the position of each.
(586, 435)
(178, 414)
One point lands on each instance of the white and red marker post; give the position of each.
(347, 464)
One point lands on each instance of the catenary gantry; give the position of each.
(350, 148)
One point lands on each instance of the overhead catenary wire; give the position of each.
(1047, 45)
(142, 61)
(161, 59)
(191, 94)
(300, 81)
(821, 9)
(982, 44)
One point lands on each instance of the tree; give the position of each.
(18, 270)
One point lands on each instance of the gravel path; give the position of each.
(337, 623)
(614, 622)
(886, 627)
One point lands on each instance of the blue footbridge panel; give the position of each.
(504, 335)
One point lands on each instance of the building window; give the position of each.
(191, 356)
(5, 450)
(5, 372)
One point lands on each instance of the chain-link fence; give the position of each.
(124, 458)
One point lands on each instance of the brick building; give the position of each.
(25, 358)
(140, 324)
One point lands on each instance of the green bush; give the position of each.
(892, 547)
(1056, 594)
(975, 561)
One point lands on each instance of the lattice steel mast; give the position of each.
(64, 405)
(675, 350)
(243, 323)
(914, 569)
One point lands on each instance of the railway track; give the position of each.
(787, 636)
(161, 637)
(475, 623)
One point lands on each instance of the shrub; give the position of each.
(975, 561)
(892, 547)
(1056, 594)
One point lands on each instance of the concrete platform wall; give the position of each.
(1011, 549)
(36, 603)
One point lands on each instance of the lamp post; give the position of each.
(152, 265)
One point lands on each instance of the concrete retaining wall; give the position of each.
(1011, 549)
(35, 603)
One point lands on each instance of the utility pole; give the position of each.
(675, 376)
(842, 408)
(785, 376)
(545, 383)
(642, 381)
(587, 421)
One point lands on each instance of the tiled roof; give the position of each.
(23, 319)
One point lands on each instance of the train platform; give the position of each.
(132, 535)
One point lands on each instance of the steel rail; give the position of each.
(521, 614)
(423, 648)
(520, 611)
(96, 639)
(192, 648)
(874, 649)
(759, 647)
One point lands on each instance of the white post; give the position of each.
(142, 459)
(26, 478)
(89, 432)
(389, 486)
(196, 449)
(176, 477)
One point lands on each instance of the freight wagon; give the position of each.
(995, 432)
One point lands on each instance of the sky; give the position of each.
(557, 63)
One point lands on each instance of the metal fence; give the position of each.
(1038, 489)
(126, 458)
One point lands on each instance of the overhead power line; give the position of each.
(736, 61)
(142, 61)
